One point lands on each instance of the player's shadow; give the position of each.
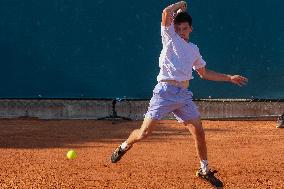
(68, 133)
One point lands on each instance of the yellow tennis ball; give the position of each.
(71, 154)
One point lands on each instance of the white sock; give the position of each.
(124, 145)
(204, 166)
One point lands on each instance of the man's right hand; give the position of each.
(183, 6)
(167, 16)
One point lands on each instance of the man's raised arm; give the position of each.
(167, 16)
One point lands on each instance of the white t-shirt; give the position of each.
(177, 57)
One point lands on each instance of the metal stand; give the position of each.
(114, 116)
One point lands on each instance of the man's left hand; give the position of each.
(239, 80)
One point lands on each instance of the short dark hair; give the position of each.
(183, 17)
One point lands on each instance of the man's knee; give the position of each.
(146, 128)
(196, 128)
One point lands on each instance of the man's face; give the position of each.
(183, 30)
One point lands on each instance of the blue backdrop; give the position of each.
(106, 49)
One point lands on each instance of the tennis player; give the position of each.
(171, 95)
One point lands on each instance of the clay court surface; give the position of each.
(247, 154)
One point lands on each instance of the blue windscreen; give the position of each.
(106, 49)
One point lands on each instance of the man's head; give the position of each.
(183, 25)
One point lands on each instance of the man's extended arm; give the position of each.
(214, 76)
(167, 16)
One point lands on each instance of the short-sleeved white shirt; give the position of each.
(177, 57)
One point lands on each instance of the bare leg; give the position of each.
(144, 131)
(196, 129)
(136, 135)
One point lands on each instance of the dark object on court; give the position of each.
(114, 115)
(280, 121)
(117, 154)
(210, 178)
